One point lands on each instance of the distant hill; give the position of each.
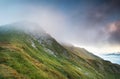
(32, 54)
(113, 54)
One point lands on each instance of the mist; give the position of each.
(82, 23)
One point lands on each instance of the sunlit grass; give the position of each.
(23, 61)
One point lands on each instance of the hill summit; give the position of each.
(30, 53)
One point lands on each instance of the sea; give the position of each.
(114, 58)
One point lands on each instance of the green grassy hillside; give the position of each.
(34, 56)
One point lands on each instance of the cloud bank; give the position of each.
(91, 24)
(114, 33)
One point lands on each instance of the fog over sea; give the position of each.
(114, 58)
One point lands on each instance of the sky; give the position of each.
(91, 24)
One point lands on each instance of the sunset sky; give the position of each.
(92, 24)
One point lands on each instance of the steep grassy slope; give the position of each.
(25, 55)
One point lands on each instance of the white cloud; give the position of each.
(52, 20)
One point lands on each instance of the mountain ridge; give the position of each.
(35, 56)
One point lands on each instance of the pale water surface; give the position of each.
(114, 58)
